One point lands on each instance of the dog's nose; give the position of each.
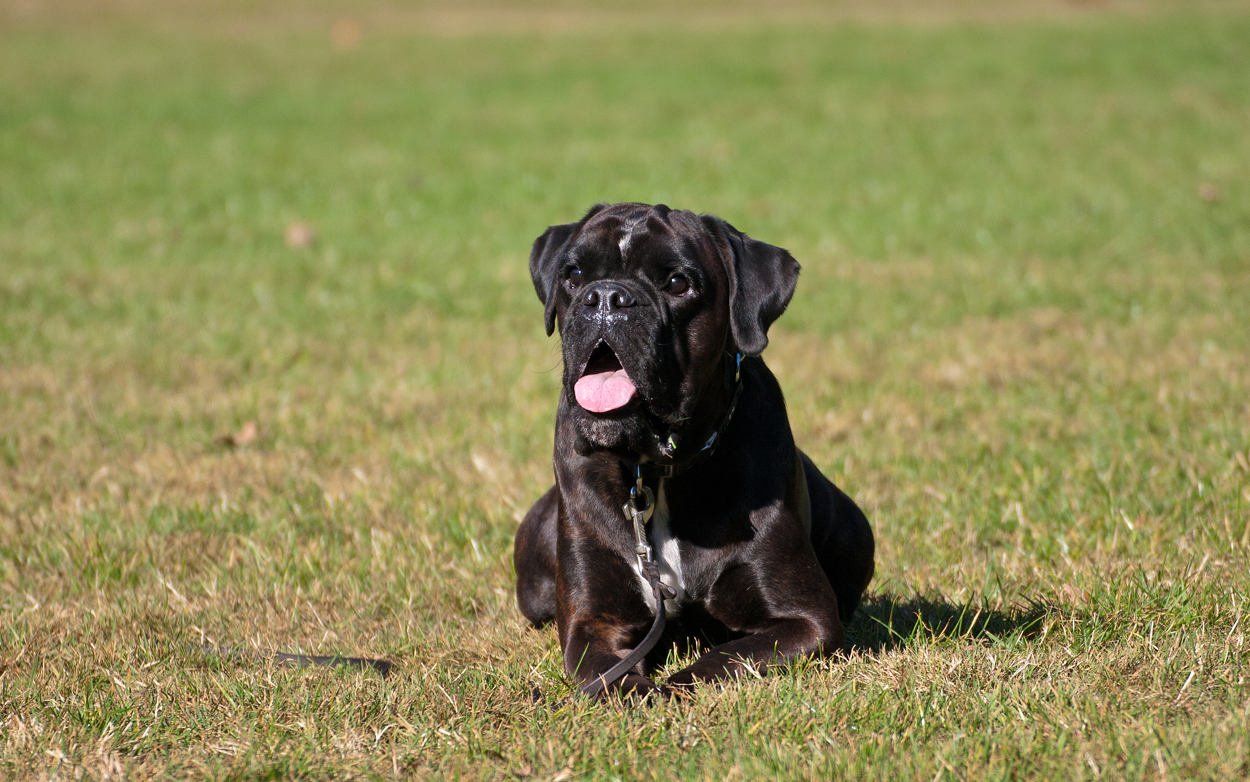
(606, 297)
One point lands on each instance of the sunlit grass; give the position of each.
(1019, 341)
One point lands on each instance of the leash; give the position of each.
(383, 667)
(638, 510)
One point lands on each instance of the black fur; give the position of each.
(759, 583)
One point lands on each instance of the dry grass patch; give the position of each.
(1019, 342)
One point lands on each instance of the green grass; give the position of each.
(1020, 340)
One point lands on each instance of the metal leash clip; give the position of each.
(640, 516)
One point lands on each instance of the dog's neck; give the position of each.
(679, 459)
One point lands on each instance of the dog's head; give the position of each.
(652, 305)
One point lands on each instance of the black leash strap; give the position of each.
(638, 510)
(383, 667)
(618, 671)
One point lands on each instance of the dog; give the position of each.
(663, 315)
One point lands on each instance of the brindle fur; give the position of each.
(774, 557)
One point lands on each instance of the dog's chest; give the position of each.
(667, 554)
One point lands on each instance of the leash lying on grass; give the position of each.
(383, 667)
(638, 510)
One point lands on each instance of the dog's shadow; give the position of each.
(885, 622)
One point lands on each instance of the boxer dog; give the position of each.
(663, 316)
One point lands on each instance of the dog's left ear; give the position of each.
(761, 281)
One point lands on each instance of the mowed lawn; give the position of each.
(1021, 341)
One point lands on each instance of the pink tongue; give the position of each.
(604, 391)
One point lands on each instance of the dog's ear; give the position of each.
(545, 263)
(544, 266)
(761, 281)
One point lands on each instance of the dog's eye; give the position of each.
(678, 284)
(575, 277)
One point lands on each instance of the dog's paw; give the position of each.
(683, 683)
(680, 684)
(681, 692)
(632, 689)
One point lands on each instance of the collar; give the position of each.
(654, 470)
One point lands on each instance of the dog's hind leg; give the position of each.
(842, 539)
(534, 556)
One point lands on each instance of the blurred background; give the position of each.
(268, 339)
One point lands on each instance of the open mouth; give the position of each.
(604, 385)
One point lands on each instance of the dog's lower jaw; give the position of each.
(641, 434)
(615, 436)
(628, 435)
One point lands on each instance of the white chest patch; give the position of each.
(667, 555)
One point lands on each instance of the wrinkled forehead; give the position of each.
(637, 234)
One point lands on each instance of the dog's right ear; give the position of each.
(761, 281)
(545, 263)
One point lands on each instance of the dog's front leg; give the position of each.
(781, 619)
(784, 641)
(600, 614)
(595, 645)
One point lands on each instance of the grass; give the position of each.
(1020, 341)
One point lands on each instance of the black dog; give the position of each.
(663, 316)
